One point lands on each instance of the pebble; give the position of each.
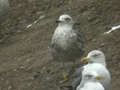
(9, 87)
(94, 40)
(102, 45)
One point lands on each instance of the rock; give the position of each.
(94, 40)
(9, 87)
(102, 45)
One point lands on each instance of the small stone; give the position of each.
(22, 67)
(94, 40)
(32, 78)
(108, 27)
(29, 84)
(9, 87)
(2, 78)
(102, 45)
(28, 60)
(15, 70)
(47, 78)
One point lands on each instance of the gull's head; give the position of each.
(92, 76)
(95, 56)
(65, 19)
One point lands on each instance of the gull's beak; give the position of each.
(98, 77)
(58, 21)
(84, 59)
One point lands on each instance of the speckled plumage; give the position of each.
(67, 43)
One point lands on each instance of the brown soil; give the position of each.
(25, 59)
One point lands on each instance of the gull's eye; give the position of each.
(89, 76)
(96, 55)
(67, 19)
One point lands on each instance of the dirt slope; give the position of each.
(25, 59)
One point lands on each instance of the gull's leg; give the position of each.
(64, 74)
(73, 68)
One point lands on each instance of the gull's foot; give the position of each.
(64, 75)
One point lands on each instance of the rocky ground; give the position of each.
(25, 59)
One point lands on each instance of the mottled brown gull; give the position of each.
(67, 43)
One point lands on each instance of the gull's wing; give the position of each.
(80, 37)
(77, 77)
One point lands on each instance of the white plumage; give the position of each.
(92, 86)
(96, 63)
(100, 70)
(91, 81)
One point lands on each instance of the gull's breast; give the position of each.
(64, 37)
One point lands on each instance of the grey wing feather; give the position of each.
(80, 39)
(77, 77)
(53, 49)
(79, 34)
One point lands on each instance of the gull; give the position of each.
(95, 56)
(91, 81)
(96, 62)
(67, 43)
